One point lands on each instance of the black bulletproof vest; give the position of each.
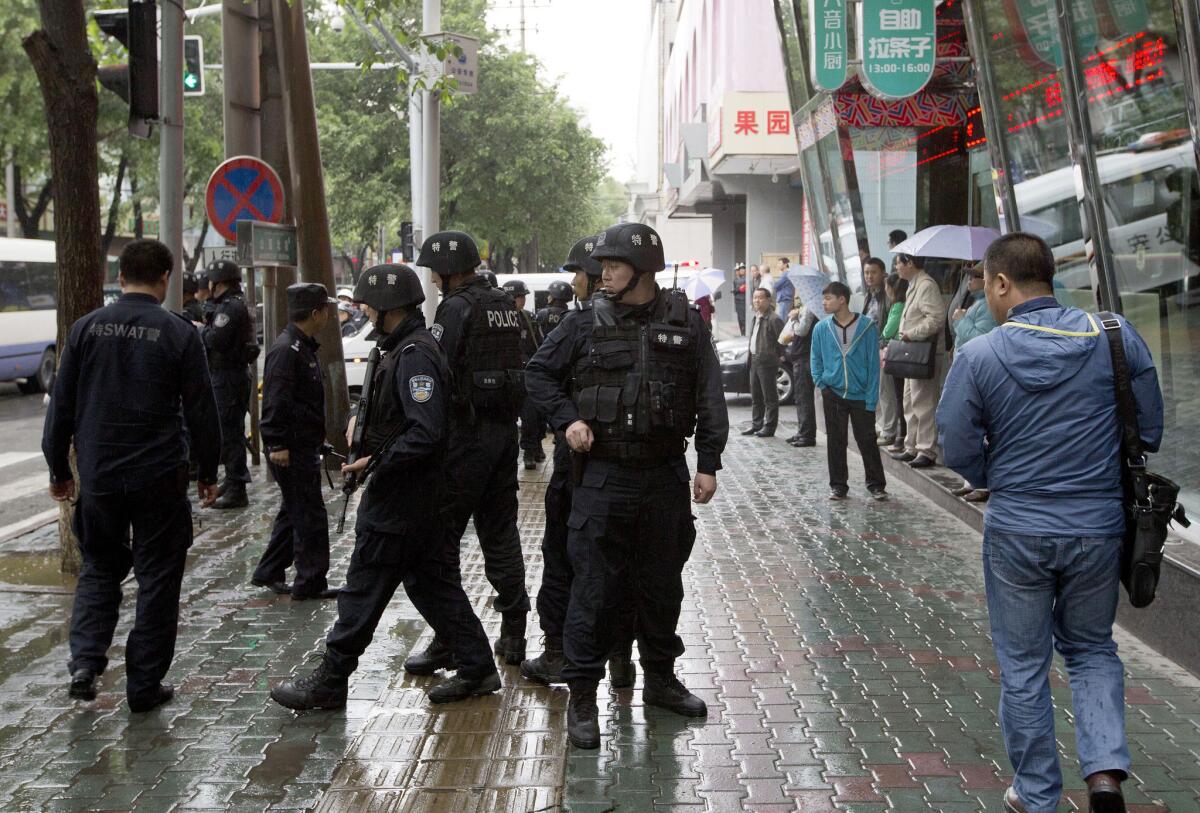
(636, 382)
(489, 376)
(385, 410)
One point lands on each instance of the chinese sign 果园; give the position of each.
(897, 42)
(751, 123)
(829, 47)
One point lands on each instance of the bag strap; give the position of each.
(1131, 436)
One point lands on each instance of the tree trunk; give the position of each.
(114, 208)
(139, 223)
(30, 218)
(66, 72)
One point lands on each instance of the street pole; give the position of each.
(272, 127)
(170, 152)
(431, 166)
(308, 183)
(10, 196)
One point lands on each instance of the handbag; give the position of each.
(910, 359)
(1150, 500)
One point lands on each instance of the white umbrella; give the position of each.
(704, 283)
(950, 242)
(808, 282)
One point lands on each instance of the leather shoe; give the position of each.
(765, 433)
(280, 587)
(1104, 793)
(328, 592)
(804, 444)
(83, 684)
(430, 659)
(963, 491)
(753, 430)
(978, 495)
(460, 688)
(922, 462)
(903, 457)
(234, 497)
(152, 700)
(793, 439)
(1012, 802)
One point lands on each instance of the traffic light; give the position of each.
(136, 81)
(406, 240)
(193, 66)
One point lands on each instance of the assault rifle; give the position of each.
(360, 432)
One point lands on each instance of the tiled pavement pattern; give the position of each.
(842, 650)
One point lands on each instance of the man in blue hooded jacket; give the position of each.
(1029, 411)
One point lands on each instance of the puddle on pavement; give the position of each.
(30, 569)
(282, 762)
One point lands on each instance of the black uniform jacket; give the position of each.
(293, 408)
(227, 333)
(548, 379)
(130, 375)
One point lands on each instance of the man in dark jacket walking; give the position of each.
(1029, 411)
(764, 366)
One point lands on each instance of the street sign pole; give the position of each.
(431, 200)
(170, 155)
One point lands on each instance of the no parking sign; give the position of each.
(243, 188)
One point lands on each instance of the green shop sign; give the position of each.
(827, 26)
(897, 41)
(1038, 19)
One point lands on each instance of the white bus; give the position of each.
(28, 324)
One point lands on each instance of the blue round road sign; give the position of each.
(243, 188)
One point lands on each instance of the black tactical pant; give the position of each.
(231, 388)
(630, 533)
(381, 563)
(764, 395)
(533, 427)
(301, 530)
(481, 481)
(806, 407)
(838, 412)
(150, 531)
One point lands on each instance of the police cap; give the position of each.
(449, 252)
(490, 277)
(560, 290)
(515, 288)
(307, 296)
(633, 243)
(223, 271)
(389, 286)
(580, 258)
(190, 286)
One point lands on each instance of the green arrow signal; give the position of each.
(191, 81)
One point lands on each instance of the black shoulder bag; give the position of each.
(1151, 500)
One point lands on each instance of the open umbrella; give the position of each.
(704, 283)
(950, 242)
(809, 282)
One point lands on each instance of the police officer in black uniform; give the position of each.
(293, 432)
(629, 378)
(479, 328)
(559, 294)
(229, 338)
(533, 426)
(398, 540)
(192, 308)
(131, 376)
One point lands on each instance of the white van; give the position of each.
(28, 313)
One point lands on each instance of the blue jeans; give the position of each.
(1059, 592)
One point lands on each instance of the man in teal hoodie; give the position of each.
(845, 367)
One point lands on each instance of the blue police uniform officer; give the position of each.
(478, 327)
(229, 339)
(533, 425)
(629, 378)
(293, 432)
(131, 376)
(398, 539)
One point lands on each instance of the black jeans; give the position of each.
(301, 530)
(150, 531)
(231, 389)
(806, 407)
(630, 533)
(838, 412)
(764, 396)
(428, 569)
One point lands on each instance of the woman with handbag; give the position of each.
(891, 388)
(921, 325)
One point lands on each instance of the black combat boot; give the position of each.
(321, 689)
(460, 688)
(664, 690)
(430, 659)
(547, 667)
(583, 718)
(234, 496)
(530, 461)
(621, 671)
(148, 701)
(511, 643)
(83, 684)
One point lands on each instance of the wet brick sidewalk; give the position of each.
(842, 650)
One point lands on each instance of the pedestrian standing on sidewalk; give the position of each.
(972, 320)
(533, 426)
(922, 320)
(293, 432)
(845, 367)
(131, 376)
(891, 388)
(739, 295)
(764, 367)
(1030, 412)
(798, 351)
(630, 378)
(398, 538)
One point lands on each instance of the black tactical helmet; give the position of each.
(190, 286)
(580, 258)
(223, 271)
(449, 252)
(560, 290)
(490, 277)
(389, 286)
(515, 288)
(634, 243)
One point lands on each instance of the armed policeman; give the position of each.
(559, 294)
(229, 339)
(629, 378)
(479, 328)
(402, 429)
(293, 432)
(131, 376)
(192, 307)
(533, 426)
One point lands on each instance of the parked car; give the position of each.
(355, 349)
(734, 355)
(28, 303)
